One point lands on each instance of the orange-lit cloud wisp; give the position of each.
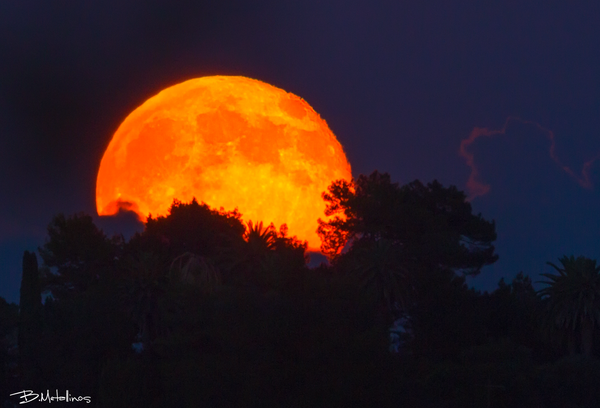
(477, 188)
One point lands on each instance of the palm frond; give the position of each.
(572, 294)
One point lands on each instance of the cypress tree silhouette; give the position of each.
(30, 320)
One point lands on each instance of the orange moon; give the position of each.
(231, 142)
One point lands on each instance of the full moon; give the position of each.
(231, 142)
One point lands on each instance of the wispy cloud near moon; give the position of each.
(476, 187)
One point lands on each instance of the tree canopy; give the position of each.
(431, 223)
(202, 307)
(79, 253)
(196, 228)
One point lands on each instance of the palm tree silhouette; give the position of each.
(260, 239)
(573, 300)
(243, 261)
(260, 243)
(381, 274)
(195, 270)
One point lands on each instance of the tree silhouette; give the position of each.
(266, 258)
(516, 312)
(77, 253)
(432, 224)
(260, 243)
(9, 323)
(196, 228)
(445, 316)
(381, 273)
(230, 312)
(30, 319)
(195, 270)
(573, 299)
(411, 240)
(260, 239)
(144, 292)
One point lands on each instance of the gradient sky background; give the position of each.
(401, 84)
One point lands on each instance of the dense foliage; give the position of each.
(202, 309)
(434, 225)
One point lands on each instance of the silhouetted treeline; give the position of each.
(202, 309)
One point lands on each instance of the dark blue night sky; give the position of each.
(401, 84)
